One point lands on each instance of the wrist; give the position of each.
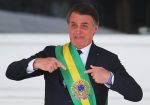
(109, 82)
(35, 64)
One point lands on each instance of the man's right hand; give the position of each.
(49, 64)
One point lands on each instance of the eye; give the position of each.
(84, 26)
(73, 25)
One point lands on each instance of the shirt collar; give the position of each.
(86, 49)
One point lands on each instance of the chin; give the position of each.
(79, 46)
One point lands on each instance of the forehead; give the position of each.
(79, 18)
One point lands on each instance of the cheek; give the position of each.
(71, 33)
(72, 39)
(69, 30)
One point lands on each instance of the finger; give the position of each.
(50, 68)
(93, 67)
(88, 71)
(55, 65)
(60, 65)
(92, 74)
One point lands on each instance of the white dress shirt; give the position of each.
(84, 54)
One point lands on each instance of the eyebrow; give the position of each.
(81, 23)
(85, 23)
(71, 22)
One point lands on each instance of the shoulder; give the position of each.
(45, 52)
(49, 50)
(104, 51)
(109, 59)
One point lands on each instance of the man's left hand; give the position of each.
(99, 74)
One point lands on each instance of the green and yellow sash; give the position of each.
(77, 82)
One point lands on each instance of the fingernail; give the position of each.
(64, 68)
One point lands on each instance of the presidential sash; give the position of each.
(77, 82)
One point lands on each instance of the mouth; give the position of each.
(78, 37)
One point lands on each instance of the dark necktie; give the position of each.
(79, 51)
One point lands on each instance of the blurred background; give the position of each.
(27, 26)
(126, 16)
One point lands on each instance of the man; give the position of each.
(73, 79)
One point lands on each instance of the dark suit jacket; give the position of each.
(57, 94)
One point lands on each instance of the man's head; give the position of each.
(83, 23)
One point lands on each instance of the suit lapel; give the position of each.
(91, 60)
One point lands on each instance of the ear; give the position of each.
(96, 29)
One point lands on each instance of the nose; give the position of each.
(78, 31)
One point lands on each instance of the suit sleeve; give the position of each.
(124, 83)
(17, 69)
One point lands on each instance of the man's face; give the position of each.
(81, 29)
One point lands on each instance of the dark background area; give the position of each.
(123, 15)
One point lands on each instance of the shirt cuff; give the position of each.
(110, 80)
(30, 68)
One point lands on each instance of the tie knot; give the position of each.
(79, 51)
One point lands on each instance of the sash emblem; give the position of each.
(80, 89)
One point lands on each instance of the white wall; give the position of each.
(133, 51)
